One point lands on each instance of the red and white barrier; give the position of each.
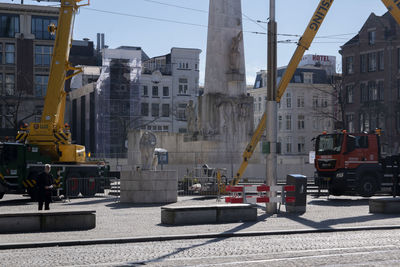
(239, 194)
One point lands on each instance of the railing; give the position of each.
(88, 186)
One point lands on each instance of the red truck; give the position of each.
(348, 164)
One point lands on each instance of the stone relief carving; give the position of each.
(191, 117)
(234, 56)
(147, 144)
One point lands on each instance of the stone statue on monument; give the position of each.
(147, 144)
(234, 56)
(191, 117)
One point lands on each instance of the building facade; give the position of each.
(26, 48)
(371, 80)
(168, 83)
(305, 110)
(132, 91)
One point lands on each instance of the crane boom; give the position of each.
(303, 45)
(394, 8)
(51, 135)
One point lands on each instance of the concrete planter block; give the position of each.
(47, 221)
(208, 214)
(149, 187)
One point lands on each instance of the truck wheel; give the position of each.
(336, 191)
(367, 186)
(1, 195)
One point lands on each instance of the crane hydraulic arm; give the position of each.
(303, 45)
(394, 8)
(51, 135)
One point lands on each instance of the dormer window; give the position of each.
(308, 77)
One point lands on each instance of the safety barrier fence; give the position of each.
(88, 186)
(258, 194)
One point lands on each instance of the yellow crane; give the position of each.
(51, 135)
(304, 43)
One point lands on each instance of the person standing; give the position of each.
(45, 187)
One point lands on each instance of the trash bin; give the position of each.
(300, 193)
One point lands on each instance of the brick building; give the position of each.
(25, 55)
(371, 80)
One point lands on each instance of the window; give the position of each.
(300, 102)
(363, 63)
(10, 84)
(350, 65)
(1, 53)
(10, 53)
(165, 91)
(145, 90)
(40, 27)
(300, 122)
(181, 112)
(381, 90)
(301, 144)
(165, 128)
(145, 109)
(398, 88)
(324, 102)
(10, 112)
(371, 37)
(289, 122)
(165, 110)
(289, 144)
(43, 55)
(155, 110)
(288, 100)
(9, 25)
(349, 94)
(364, 122)
(280, 122)
(363, 92)
(372, 61)
(1, 87)
(315, 123)
(196, 66)
(183, 86)
(308, 77)
(373, 91)
(315, 101)
(350, 122)
(297, 78)
(155, 91)
(381, 60)
(41, 85)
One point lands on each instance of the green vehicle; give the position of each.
(20, 165)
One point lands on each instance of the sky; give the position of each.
(148, 24)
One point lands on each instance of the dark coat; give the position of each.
(44, 180)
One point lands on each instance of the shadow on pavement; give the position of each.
(238, 228)
(332, 202)
(327, 224)
(88, 201)
(16, 202)
(119, 205)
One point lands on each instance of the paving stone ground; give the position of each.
(116, 220)
(369, 248)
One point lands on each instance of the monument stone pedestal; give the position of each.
(149, 187)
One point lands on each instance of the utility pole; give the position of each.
(271, 107)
